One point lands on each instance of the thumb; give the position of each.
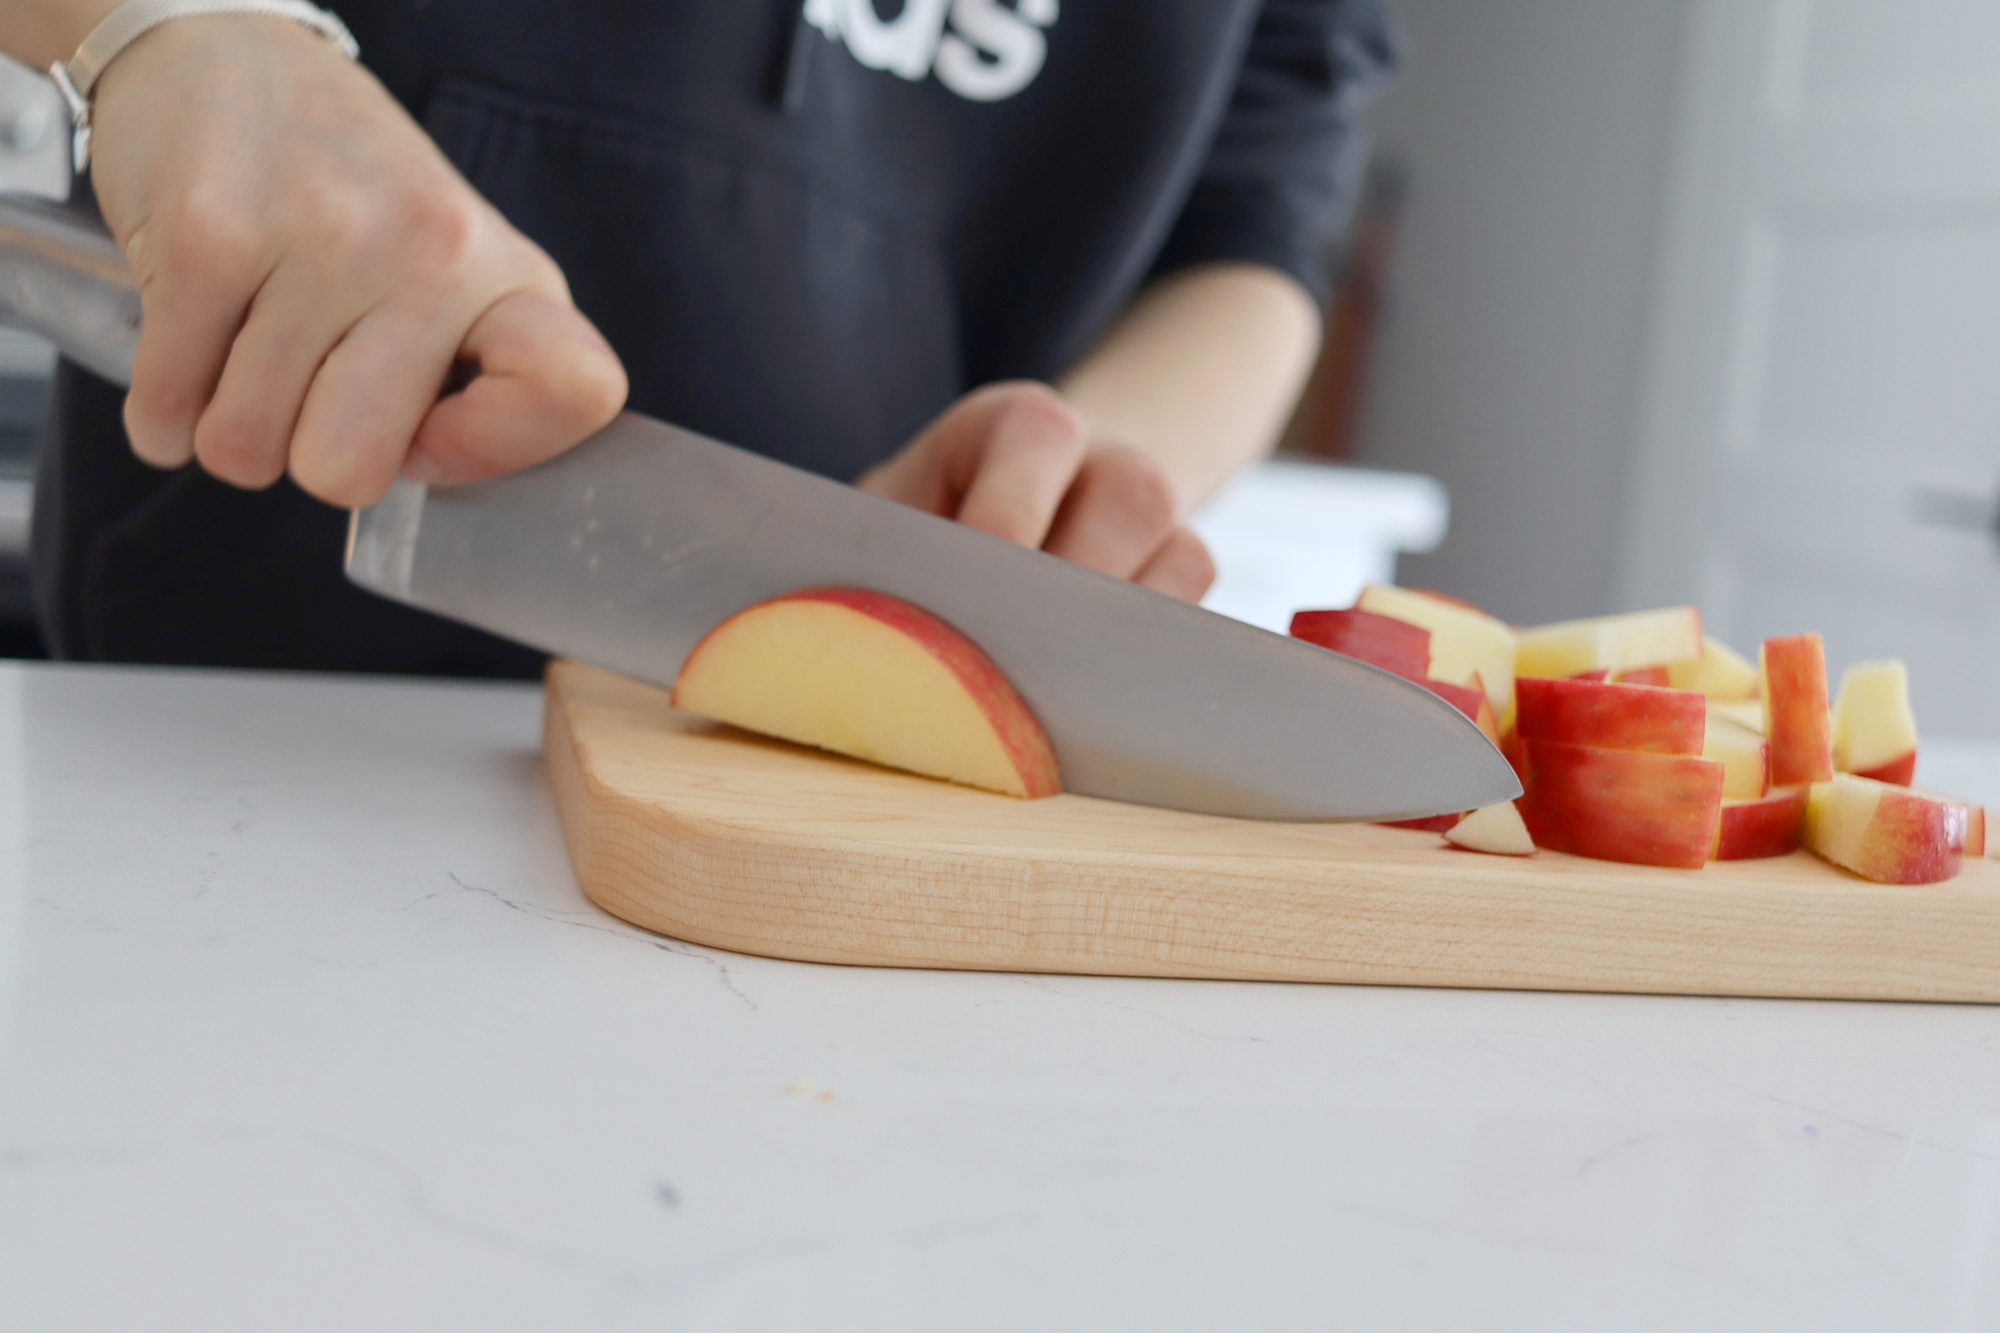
(547, 379)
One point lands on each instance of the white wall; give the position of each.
(1537, 136)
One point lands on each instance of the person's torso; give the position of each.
(965, 191)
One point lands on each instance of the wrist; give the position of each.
(38, 33)
(130, 22)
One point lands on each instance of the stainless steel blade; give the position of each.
(626, 550)
(61, 276)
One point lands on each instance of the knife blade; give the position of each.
(624, 551)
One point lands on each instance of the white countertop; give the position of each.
(308, 1027)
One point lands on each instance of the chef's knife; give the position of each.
(624, 551)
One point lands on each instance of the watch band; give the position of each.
(77, 78)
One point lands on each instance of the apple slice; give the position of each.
(1743, 712)
(1622, 805)
(1464, 641)
(869, 675)
(1744, 754)
(1380, 641)
(1470, 700)
(1497, 830)
(1886, 833)
(1796, 720)
(1609, 716)
(1874, 733)
(1767, 826)
(1720, 672)
(1655, 676)
(1610, 643)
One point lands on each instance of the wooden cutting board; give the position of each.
(715, 836)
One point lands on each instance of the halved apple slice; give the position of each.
(869, 675)
(1464, 640)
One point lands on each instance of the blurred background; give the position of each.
(1674, 300)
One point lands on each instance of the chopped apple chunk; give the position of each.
(1886, 833)
(1874, 732)
(1796, 720)
(1720, 672)
(1464, 641)
(1497, 830)
(1614, 644)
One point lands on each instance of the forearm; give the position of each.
(40, 32)
(1200, 372)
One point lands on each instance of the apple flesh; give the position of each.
(1796, 720)
(1622, 805)
(868, 675)
(1743, 712)
(1886, 833)
(1464, 641)
(1744, 755)
(1874, 733)
(1497, 830)
(1720, 672)
(1613, 644)
(1609, 716)
(1770, 825)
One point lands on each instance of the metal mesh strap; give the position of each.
(77, 79)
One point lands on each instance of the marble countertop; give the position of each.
(306, 1026)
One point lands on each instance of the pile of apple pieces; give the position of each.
(1639, 739)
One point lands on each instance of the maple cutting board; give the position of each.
(715, 836)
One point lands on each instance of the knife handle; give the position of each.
(62, 277)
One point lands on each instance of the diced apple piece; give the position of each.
(1497, 830)
(1609, 716)
(1767, 826)
(1886, 833)
(869, 675)
(1470, 700)
(1393, 645)
(1792, 674)
(1720, 672)
(1744, 756)
(1610, 643)
(1463, 641)
(1743, 712)
(1622, 805)
(1874, 733)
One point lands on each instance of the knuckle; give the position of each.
(1036, 410)
(1140, 485)
(239, 448)
(198, 238)
(444, 228)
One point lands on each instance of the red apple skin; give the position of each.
(1600, 675)
(1801, 726)
(1622, 805)
(1897, 772)
(1914, 840)
(1026, 744)
(1380, 641)
(1610, 716)
(1470, 700)
(1770, 826)
(1435, 824)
